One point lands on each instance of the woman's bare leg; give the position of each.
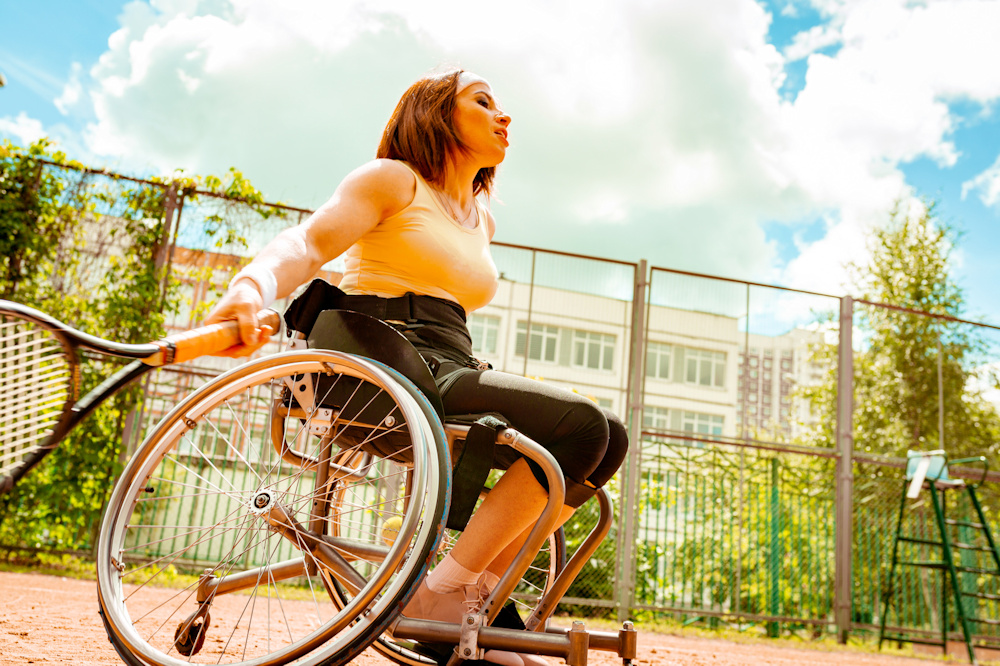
(502, 561)
(507, 514)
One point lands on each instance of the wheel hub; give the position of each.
(262, 501)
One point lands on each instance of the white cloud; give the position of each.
(26, 130)
(879, 102)
(71, 92)
(620, 114)
(986, 185)
(640, 128)
(809, 41)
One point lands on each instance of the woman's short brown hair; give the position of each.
(421, 131)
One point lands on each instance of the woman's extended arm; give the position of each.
(364, 198)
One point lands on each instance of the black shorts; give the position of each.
(588, 442)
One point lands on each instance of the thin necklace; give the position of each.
(446, 204)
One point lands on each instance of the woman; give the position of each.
(411, 221)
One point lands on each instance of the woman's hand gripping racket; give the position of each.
(40, 377)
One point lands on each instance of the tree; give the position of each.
(903, 353)
(82, 248)
(913, 364)
(88, 248)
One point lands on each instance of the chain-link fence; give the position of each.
(756, 490)
(736, 500)
(940, 398)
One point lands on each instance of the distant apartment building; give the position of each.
(771, 369)
(703, 375)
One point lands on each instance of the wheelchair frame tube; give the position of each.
(490, 638)
(556, 643)
(212, 586)
(547, 604)
(545, 524)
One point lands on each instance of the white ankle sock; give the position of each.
(449, 576)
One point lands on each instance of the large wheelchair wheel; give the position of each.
(220, 545)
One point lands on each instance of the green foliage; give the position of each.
(34, 220)
(723, 530)
(721, 524)
(898, 359)
(896, 370)
(84, 249)
(91, 249)
(597, 579)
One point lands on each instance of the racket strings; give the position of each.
(36, 383)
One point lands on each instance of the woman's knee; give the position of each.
(585, 446)
(614, 454)
(617, 437)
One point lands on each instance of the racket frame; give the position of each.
(147, 356)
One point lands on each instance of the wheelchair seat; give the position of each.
(473, 448)
(362, 335)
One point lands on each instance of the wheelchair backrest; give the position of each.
(361, 335)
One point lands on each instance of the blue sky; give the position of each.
(756, 140)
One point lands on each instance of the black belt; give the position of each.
(410, 308)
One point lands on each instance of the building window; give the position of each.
(705, 424)
(605, 403)
(658, 360)
(593, 350)
(706, 368)
(656, 418)
(544, 340)
(484, 330)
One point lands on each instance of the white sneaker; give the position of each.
(503, 657)
(443, 606)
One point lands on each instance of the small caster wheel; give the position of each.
(190, 635)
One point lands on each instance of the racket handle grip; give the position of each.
(206, 340)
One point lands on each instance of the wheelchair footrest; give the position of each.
(507, 618)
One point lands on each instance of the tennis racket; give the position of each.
(40, 377)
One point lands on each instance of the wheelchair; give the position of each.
(285, 512)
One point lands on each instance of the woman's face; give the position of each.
(480, 124)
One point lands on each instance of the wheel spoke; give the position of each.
(234, 508)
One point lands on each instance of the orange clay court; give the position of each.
(54, 620)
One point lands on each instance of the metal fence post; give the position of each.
(527, 323)
(842, 594)
(775, 557)
(625, 588)
(169, 209)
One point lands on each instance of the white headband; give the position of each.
(466, 79)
